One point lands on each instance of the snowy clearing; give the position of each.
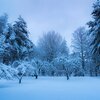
(51, 88)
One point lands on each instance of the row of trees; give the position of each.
(51, 56)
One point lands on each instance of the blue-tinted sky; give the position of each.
(63, 16)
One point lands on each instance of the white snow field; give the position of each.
(51, 88)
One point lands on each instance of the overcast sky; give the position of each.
(63, 16)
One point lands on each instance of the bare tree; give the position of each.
(80, 44)
(51, 45)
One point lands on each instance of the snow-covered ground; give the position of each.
(51, 88)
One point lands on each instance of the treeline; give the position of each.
(19, 56)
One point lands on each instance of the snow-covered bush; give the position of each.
(24, 68)
(6, 72)
(63, 66)
(74, 61)
(44, 67)
(48, 68)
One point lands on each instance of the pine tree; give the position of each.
(24, 45)
(11, 48)
(3, 23)
(3, 30)
(95, 33)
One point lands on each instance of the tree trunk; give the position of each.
(82, 57)
(96, 71)
(20, 80)
(67, 76)
(36, 76)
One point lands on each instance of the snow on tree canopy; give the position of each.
(25, 67)
(95, 32)
(6, 72)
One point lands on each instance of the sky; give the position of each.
(63, 16)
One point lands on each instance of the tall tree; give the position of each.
(52, 45)
(95, 34)
(3, 30)
(14, 40)
(80, 44)
(22, 42)
(3, 23)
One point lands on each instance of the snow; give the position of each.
(51, 88)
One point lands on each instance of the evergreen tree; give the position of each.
(3, 23)
(3, 30)
(14, 41)
(95, 34)
(22, 42)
